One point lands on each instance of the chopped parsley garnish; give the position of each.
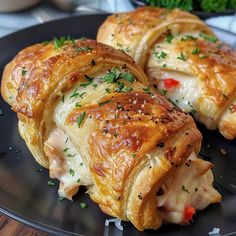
(72, 172)
(127, 76)
(164, 91)
(123, 88)
(71, 155)
(63, 98)
(1, 112)
(119, 46)
(89, 79)
(70, 39)
(209, 38)
(81, 163)
(114, 76)
(66, 149)
(164, 65)
(84, 49)
(93, 62)
(59, 42)
(84, 85)
(83, 205)
(196, 51)
(23, 71)
(75, 94)
(182, 57)
(78, 180)
(108, 90)
(133, 155)
(148, 91)
(82, 94)
(111, 76)
(169, 38)
(94, 85)
(185, 190)
(115, 134)
(193, 111)
(160, 55)
(80, 119)
(77, 104)
(103, 103)
(190, 104)
(51, 183)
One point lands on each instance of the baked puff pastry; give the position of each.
(183, 60)
(86, 113)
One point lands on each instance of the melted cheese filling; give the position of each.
(159, 69)
(66, 163)
(183, 96)
(186, 95)
(189, 185)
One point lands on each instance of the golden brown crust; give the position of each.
(124, 131)
(127, 30)
(208, 61)
(216, 71)
(30, 79)
(45, 67)
(130, 139)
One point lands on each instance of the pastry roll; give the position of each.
(183, 59)
(86, 113)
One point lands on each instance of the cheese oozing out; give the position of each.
(189, 185)
(65, 161)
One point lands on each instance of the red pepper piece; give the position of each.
(170, 83)
(188, 213)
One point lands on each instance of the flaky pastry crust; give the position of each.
(85, 115)
(176, 44)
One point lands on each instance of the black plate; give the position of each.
(25, 195)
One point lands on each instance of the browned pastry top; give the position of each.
(37, 69)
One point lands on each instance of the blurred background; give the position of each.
(18, 14)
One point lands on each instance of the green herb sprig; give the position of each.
(80, 119)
